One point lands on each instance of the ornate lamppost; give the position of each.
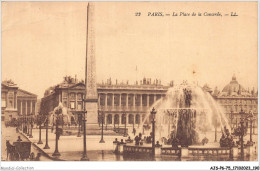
(27, 125)
(84, 155)
(46, 124)
(79, 121)
(241, 131)
(40, 129)
(251, 119)
(231, 119)
(31, 126)
(102, 120)
(153, 113)
(125, 135)
(57, 112)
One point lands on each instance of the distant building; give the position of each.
(120, 102)
(234, 98)
(16, 102)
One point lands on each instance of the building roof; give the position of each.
(9, 83)
(23, 93)
(235, 89)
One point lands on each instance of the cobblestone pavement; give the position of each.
(10, 134)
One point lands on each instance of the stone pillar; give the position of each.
(120, 117)
(35, 107)
(121, 148)
(157, 151)
(15, 100)
(134, 100)
(99, 99)
(184, 152)
(141, 101)
(147, 97)
(234, 152)
(249, 150)
(113, 117)
(31, 106)
(21, 107)
(26, 108)
(6, 101)
(154, 98)
(126, 119)
(105, 119)
(76, 100)
(126, 101)
(106, 100)
(113, 100)
(119, 99)
(134, 118)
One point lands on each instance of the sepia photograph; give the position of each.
(129, 81)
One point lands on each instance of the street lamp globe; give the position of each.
(153, 113)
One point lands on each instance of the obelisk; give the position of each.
(91, 97)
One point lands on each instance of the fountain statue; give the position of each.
(185, 116)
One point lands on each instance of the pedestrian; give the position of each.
(37, 158)
(19, 139)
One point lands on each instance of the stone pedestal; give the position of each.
(121, 148)
(157, 151)
(115, 147)
(184, 152)
(234, 152)
(249, 150)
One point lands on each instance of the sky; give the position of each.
(44, 41)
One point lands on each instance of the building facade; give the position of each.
(119, 103)
(16, 102)
(122, 103)
(234, 98)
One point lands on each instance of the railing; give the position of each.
(171, 151)
(137, 150)
(209, 151)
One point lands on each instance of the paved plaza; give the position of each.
(96, 151)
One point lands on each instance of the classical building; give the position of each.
(16, 102)
(119, 103)
(234, 98)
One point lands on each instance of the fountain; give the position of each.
(186, 115)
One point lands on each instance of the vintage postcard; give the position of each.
(129, 81)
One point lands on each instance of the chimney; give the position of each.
(76, 80)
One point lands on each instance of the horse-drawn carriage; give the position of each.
(19, 151)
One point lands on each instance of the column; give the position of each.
(113, 100)
(141, 101)
(120, 117)
(134, 118)
(134, 100)
(98, 99)
(76, 100)
(113, 121)
(154, 98)
(126, 100)
(147, 97)
(6, 101)
(25, 107)
(126, 119)
(35, 107)
(21, 107)
(105, 100)
(105, 119)
(15, 100)
(119, 99)
(31, 106)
